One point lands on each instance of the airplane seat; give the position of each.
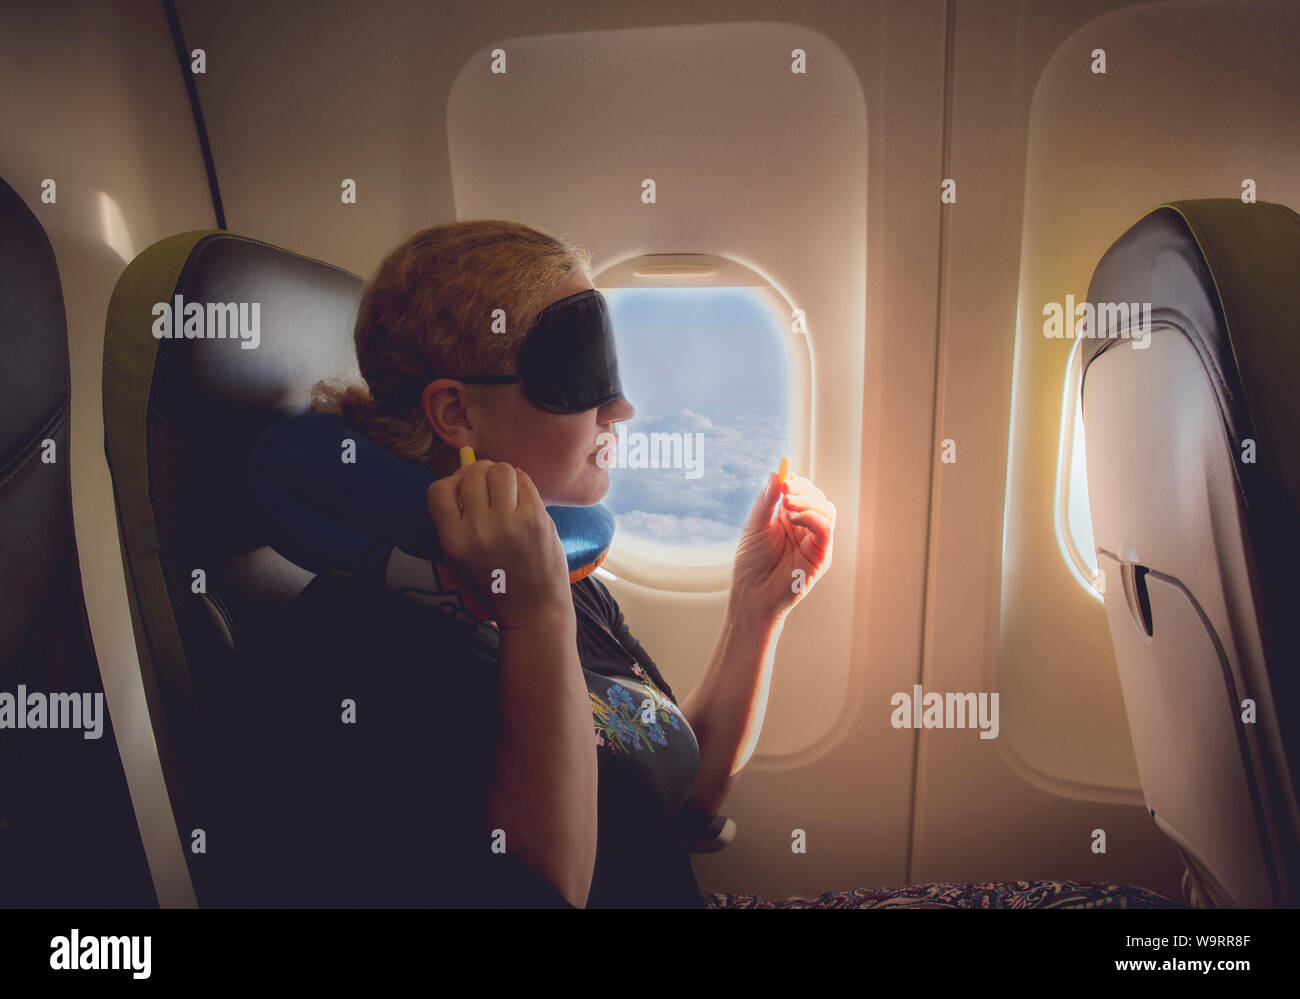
(68, 831)
(1192, 436)
(182, 406)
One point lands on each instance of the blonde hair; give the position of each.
(427, 314)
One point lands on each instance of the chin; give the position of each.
(596, 490)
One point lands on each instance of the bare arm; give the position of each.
(544, 794)
(491, 522)
(726, 710)
(778, 561)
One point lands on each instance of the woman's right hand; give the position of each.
(489, 516)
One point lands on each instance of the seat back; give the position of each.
(1193, 463)
(247, 328)
(68, 833)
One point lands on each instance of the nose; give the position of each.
(618, 411)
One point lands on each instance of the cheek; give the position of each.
(579, 436)
(562, 442)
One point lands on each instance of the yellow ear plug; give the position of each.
(784, 472)
(467, 456)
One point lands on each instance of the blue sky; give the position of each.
(699, 360)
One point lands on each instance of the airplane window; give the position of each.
(1074, 514)
(1080, 512)
(707, 371)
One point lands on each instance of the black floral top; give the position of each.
(648, 760)
(393, 790)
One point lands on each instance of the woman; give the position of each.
(536, 810)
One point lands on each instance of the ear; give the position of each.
(445, 404)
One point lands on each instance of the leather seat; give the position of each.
(68, 833)
(1193, 460)
(179, 416)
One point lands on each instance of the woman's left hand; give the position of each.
(779, 559)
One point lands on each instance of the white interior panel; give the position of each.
(751, 162)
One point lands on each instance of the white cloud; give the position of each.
(664, 505)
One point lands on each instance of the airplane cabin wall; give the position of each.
(304, 114)
(1197, 97)
(299, 96)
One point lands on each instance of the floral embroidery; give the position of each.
(622, 721)
(661, 702)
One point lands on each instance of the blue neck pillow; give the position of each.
(367, 517)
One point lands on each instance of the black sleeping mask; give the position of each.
(567, 362)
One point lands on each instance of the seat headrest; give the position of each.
(36, 536)
(34, 382)
(193, 401)
(1226, 275)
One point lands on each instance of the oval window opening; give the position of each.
(1073, 511)
(708, 371)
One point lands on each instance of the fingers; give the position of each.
(816, 555)
(471, 481)
(809, 531)
(812, 519)
(527, 493)
(801, 494)
(444, 507)
(812, 534)
(761, 514)
(481, 486)
(802, 524)
(502, 486)
(797, 485)
(487, 485)
(798, 504)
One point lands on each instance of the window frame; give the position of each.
(697, 270)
